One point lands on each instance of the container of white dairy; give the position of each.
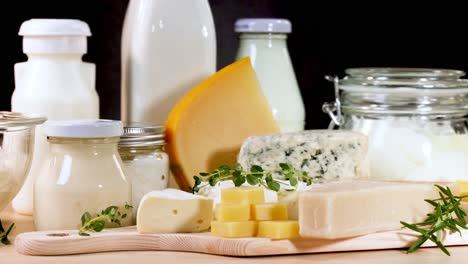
(141, 148)
(82, 173)
(416, 120)
(264, 41)
(53, 82)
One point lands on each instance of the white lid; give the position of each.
(271, 25)
(54, 36)
(92, 128)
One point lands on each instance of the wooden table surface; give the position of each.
(24, 224)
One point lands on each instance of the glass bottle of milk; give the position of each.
(264, 40)
(53, 82)
(168, 47)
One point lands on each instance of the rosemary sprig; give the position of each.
(256, 176)
(4, 234)
(447, 216)
(111, 214)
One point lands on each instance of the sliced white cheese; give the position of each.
(174, 211)
(326, 155)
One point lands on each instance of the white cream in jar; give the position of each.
(416, 120)
(145, 162)
(83, 172)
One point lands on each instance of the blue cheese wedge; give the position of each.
(326, 155)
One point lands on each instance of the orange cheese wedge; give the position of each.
(208, 125)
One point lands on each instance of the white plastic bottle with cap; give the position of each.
(53, 82)
(264, 40)
(168, 47)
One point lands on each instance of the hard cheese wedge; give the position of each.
(278, 229)
(174, 211)
(346, 209)
(207, 127)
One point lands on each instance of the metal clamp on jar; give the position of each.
(416, 120)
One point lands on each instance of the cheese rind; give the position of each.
(232, 212)
(244, 195)
(269, 211)
(346, 209)
(288, 229)
(208, 125)
(326, 155)
(234, 229)
(174, 211)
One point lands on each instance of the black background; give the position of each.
(327, 38)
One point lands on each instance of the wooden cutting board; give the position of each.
(125, 239)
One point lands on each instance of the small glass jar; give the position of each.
(82, 173)
(264, 41)
(146, 163)
(416, 120)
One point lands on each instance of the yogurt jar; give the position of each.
(416, 120)
(83, 172)
(145, 162)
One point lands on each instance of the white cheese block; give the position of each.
(173, 211)
(346, 209)
(326, 155)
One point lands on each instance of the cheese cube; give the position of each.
(269, 211)
(234, 229)
(232, 212)
(246, 195)
(288, 229)
(173, 211)
(346, 209)
(463, 189)
(326, 155)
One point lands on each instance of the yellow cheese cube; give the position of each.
(234, 229)
(232, 212)
(463, 189)
(288, 229)
(246, 195)
(269, 211)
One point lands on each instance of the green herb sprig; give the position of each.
(4, 234)
(447, 216)
(111, 214)
(255, 176)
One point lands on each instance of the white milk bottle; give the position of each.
(53, 82)
(264, 40)
(168, 47)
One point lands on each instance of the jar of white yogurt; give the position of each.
(82, 173)
(146, 163)
(416, 120)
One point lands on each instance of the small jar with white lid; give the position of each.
(82, 173)
(146, 163)
(264, 41)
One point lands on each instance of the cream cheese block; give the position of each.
(174, 211)
(346, 209)
(326, 155)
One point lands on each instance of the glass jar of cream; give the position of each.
(82, 173)
(416, 120)
(146, 163)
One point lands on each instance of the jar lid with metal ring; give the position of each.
(399, 91)
(142, 135)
